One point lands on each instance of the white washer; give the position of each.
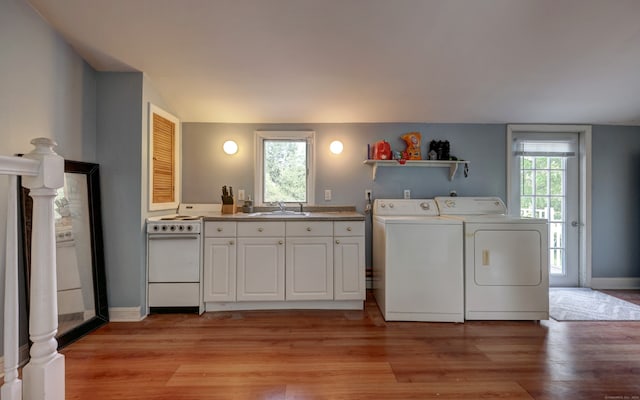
(506, 260)
(417, 262)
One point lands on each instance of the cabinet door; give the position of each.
(349, 268)
(309, 265)
(219, 272)
(260, 271)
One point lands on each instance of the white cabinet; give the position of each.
(283, 264)
(219, 271)
(260, 261)
(349, 260)
(309, 260)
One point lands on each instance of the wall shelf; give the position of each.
(452, 165)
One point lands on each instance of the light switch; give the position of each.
(327, 194)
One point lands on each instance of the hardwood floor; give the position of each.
(353, 355)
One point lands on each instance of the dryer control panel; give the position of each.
(471, 206)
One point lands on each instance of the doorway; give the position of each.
(548, 175)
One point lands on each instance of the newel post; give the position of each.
(44, 375)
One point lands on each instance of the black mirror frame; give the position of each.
(101, 318)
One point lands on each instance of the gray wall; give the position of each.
(119, 124)
(46, 90)
(616, 201)
(615, 173)
(122, 109)
(206, 168)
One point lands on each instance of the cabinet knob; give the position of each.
(337, 242)
(219, 229)
(231, 242)
(260, 229)
(308, 229)
(348, 229)
(280, 242)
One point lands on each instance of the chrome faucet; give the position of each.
(301, 210)
(282, 206)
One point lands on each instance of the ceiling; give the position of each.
(287, 61)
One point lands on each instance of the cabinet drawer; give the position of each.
(348, 228)
(304, 228)
(259, 229)
(219, 229)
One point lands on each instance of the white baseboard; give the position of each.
(615, 283)
(125, 314)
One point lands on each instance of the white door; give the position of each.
(260, 273)
(349, 268)
(545, 183)
(219, 271)
(309, 268)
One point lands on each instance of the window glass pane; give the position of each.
(556, 182)
(556, 235)
(556, 208)
(555, 261)
(285, 171)
(526, 206)
(556, 163)
(542, 207)
(542, 182)
(527, 183)
(542, 162)
(527, 163)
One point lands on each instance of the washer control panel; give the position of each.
(405, 207)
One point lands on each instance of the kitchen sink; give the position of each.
(279, 213)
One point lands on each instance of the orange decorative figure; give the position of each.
(413, 145)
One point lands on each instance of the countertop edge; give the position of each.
(314, 216)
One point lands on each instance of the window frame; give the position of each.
(260, 137)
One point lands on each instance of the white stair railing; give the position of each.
(43, 376)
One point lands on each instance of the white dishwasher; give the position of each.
(417, 262)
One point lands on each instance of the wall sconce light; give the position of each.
(230, 147)
(336, 147)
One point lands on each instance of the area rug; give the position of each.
(584, 304)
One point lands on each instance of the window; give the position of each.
(543, 195)
(284, 167)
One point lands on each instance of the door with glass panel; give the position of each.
(546, 170)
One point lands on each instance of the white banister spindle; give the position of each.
(44, 375)
(12, 388)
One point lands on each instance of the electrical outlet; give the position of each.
(367, 194)
(241, 194)
(407, 194)
(327, 194)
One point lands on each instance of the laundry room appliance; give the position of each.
(417, 262)
(174, 259)
(506, 260)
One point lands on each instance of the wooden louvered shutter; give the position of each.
(164, 131)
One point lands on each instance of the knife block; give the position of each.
(229, 208)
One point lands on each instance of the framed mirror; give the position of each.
(81, 279)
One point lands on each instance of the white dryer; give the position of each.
(506, 260)
(417, 262)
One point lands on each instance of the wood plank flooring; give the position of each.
(353, 355)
